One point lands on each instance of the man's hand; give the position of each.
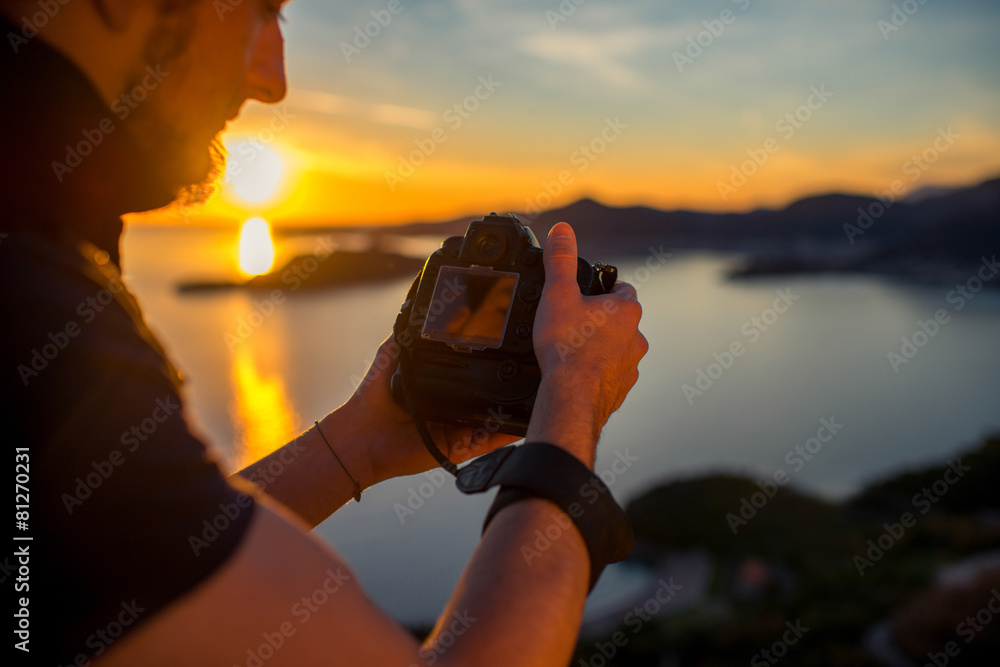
(588, 348)
(374, 440)
(395, 447)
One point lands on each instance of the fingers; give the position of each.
(625, 290)
(560, 257)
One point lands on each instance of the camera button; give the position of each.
(508, 370)
(530, 290)
(524, 331)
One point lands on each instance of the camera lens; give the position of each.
(489, 247)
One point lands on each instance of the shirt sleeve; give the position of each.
(128, 509)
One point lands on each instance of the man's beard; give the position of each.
(188, 166)
(193, 194)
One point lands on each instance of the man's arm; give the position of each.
(376, 439)
(373, 437)
(286, 598)
(285, 595)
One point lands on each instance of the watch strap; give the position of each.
(542, 470)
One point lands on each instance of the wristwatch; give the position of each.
(542, 470)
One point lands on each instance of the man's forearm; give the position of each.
(564, 415)
(518, 602)
(526, 594)
(305, 476)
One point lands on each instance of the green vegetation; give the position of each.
(838, 570)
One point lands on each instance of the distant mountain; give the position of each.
(928, 192)
(935, 234)
(846, 230)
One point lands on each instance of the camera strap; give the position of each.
(425, 436)
(404, 366)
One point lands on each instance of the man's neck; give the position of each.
(76, 166)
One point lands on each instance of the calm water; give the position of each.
(825, 357)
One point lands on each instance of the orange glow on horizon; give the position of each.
(318, 174)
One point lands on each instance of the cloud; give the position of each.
(338, 105)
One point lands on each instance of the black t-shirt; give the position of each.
(126, 509)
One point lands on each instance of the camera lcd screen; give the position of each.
(470, 307)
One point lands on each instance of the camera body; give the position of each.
(465, 330)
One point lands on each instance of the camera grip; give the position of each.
(595, 279)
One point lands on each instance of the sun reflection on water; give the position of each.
(263, 417)
(256, 247)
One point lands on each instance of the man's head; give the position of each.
(173, 71)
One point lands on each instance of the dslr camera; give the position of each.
(464, 332)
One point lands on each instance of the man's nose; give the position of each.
(266, 77)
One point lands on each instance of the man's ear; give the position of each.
(116, 14)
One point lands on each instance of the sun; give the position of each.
(256, 247)
(254, 174)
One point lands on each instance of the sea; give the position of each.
(834, 381)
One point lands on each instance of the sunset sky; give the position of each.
(668, 109)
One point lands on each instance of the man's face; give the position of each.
(212, 57)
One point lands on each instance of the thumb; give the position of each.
(560, 256)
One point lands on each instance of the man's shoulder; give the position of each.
(64, 299)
